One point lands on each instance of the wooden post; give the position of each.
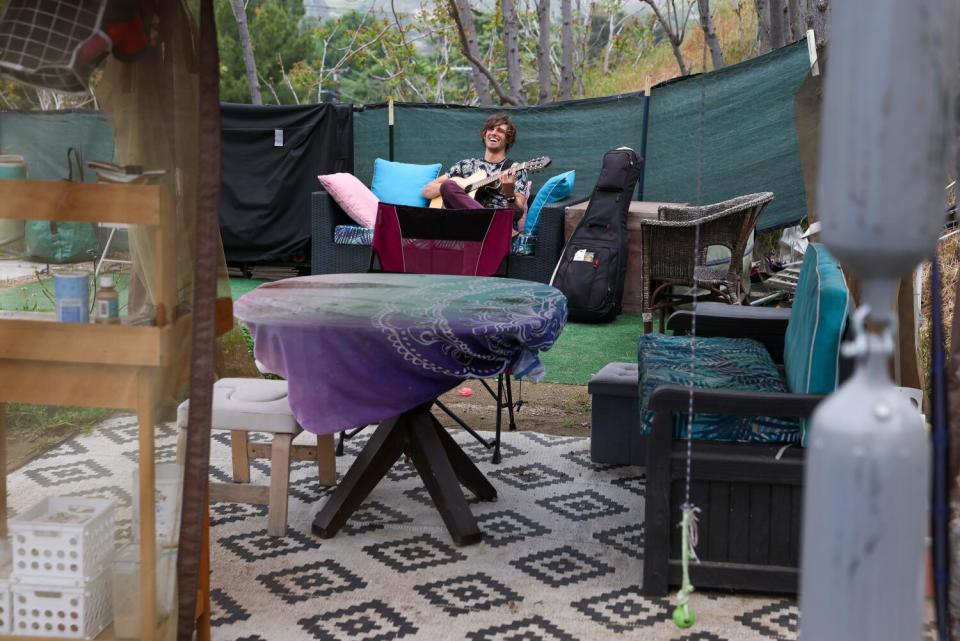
(146, 413)
(3, 471)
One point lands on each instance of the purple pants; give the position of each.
(454, 197)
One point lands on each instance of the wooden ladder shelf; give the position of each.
(130, 367)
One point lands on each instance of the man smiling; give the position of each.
(498, 135)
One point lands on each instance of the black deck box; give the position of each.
(615, 416)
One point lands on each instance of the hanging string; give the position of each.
(683, 615)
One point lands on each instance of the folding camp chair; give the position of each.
(464, 242)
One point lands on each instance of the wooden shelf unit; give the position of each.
(112, 366)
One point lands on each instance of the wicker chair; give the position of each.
(668, 252)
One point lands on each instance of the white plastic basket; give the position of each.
(65, 538)
(45, 609)
(6, 615)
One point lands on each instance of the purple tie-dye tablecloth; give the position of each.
(360, 348)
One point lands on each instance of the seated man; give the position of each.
(498, 135)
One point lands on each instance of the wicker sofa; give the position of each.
(328, 257)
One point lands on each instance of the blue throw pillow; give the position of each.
(400, 183)
(554, 190)
(812, 341)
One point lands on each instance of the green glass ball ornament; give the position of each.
(683, 617)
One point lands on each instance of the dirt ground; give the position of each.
(547, 408)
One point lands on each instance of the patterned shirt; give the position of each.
(488, 197)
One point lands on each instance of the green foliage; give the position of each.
(48, 417)
(363, 57)
(280, 41)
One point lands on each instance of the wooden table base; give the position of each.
(441, 463)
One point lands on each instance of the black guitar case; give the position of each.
(593, 267)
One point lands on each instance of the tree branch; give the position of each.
(246, 46)
(482, 68)
(710, 33)
(675, 39)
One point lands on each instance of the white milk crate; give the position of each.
(65, 538)
(45, 609)
(6, 614)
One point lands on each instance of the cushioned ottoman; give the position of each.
(614, 417)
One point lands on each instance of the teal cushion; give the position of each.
(523, 245)
(352, 235)
(400, 183)
(554, 190)
(811, 346)
(734, 364)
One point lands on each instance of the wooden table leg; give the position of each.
(441, 463)
(432, 462)
(375, 460)
(240, 455)
(147, 418)
(467, 472)
(3, 471)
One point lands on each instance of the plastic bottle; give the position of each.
(107, 302)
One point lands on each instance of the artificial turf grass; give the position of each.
(584, 348)
(580, 352)
(240, 286)
(37, 296)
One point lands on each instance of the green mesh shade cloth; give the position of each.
(42, 138)
(749, 136)
(575, 135)
(750, 139)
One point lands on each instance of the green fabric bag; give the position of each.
(57, 242)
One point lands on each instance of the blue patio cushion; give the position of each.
(554, 190)
(811, 346)
(401, 183)
(522, 244)
(353, 235)
(734, 364)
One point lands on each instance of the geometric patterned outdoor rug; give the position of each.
(562, 557)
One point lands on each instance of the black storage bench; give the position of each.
(614, 416)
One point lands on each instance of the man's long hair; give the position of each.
(500, 119)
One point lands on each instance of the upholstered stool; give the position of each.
(244, 405)
(615, 435)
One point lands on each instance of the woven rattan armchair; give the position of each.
(668, 252)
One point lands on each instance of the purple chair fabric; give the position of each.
(460, 242)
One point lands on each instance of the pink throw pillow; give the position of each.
(353, 196)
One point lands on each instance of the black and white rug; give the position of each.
(562, 557)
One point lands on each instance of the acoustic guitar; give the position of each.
(479, 180)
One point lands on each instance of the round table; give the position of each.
(366, 348)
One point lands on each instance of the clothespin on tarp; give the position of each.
(812, 51)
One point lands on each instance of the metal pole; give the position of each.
(888, 104)
(390, 126)
(643, 143)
